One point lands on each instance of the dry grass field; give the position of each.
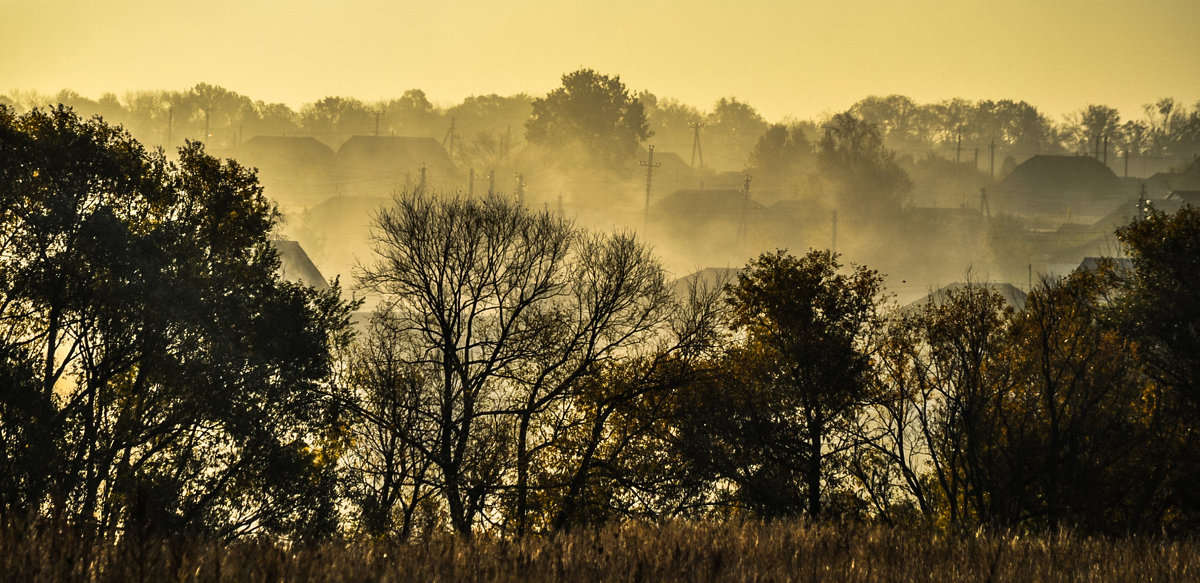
(634, 552)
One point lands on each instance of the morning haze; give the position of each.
(524, 291)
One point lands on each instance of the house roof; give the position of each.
(1123, 214)
(667, 161)
(1189, 197)
(395, 150)
(707, 278)
(261, 150)
(706, 202)
(373, 164)
(1013, 295)
(1092, 263)
(296, 266)
(1061, 174)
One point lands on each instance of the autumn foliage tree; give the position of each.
(795, 381)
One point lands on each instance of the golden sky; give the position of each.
(800, 58)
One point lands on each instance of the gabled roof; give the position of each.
(1093, 263)
(1123, 214)
(1013, 295)
(279, 149)
(1189, 179)
(395, 150)
(668, 161)
(373, 165)
(714, 202)
(1189, 197)
(1061, 174)
(295, 265)
(707, 278)
(340, 208)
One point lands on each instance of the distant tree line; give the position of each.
(521, 374)
(729, 131)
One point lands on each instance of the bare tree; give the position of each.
(389, 478)
(504, 311)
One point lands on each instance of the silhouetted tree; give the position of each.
(732, 129)
(900, 121)
(1087, 129)
(334, 119)
(591, 112)
(782, 418)
(163, 376)
(1075, 423)
(413, 115)
(1159, 307)
(927, 441)
(389, 477)
(504, 312)
(669, 121)
(864, 173)
(782, 157)
(492, 113)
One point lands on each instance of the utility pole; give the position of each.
(977, 158)
(492, 182)
(741, 232)
(696, 149)
(650, 165)
(1106, 149)
(205, 126)
(958, 148)
(449, 137)
(520, 188)
(984, 209)
(992, 160)
(422, 184)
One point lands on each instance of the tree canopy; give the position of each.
(592, 112)
(157, 371)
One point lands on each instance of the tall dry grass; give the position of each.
(633, 552)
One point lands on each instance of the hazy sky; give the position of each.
(798, 58)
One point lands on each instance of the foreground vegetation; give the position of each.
(677, 551)
(523, 376)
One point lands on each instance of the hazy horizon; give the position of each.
(785, 59)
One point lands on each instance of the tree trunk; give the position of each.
(812, 477)
(523, 473)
